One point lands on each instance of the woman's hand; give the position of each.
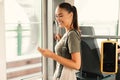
(119, 50)
(45, 52)
(58, 37)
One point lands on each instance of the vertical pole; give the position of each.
(118, 16)
(44, 36)
(118, 21)
(117, 29)
(19, 39)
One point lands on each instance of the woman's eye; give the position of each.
(58, 16)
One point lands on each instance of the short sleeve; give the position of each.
(73, 42)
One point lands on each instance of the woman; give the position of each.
(68, 48)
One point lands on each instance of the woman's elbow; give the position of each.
(78, 66)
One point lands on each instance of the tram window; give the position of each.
(22, 31)
(103, 18)
(22, 26)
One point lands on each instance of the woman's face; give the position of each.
(63, 18)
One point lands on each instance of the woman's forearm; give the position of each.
(74, 64)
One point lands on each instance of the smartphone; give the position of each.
(109, 57)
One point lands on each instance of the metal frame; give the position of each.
(44, 35)
(101, 36)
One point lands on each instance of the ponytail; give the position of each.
(75, 19)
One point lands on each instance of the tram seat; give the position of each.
(90, 55)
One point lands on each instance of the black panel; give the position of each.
(109, 57)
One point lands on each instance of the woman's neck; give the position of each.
(69, 28)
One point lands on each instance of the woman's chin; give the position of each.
(61, 26)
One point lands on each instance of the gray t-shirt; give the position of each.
(69, 42)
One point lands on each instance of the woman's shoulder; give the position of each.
(74, 33)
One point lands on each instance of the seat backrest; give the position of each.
(90, 52)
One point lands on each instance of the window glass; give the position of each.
(23, 30)
(100, 14)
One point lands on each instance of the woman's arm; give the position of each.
(74, 63)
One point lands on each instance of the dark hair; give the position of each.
(71, 8)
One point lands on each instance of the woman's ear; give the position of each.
(71, 14)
